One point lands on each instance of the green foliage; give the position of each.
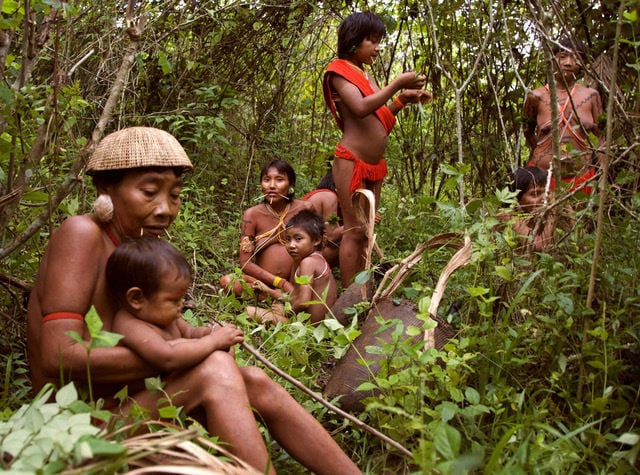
(46, 437)
(98, 338)
(536, 380)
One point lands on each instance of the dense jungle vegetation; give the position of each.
(542, 375)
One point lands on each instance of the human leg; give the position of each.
(295, 429)
(354, 239)
(217, 385)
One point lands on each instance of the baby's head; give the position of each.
(530, 183)
(144, 263)
(310, 223)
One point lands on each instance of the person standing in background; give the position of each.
(360, 109)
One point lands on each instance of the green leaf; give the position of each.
(504, 273)
(153, 384)
(106, 447)
(628, 438)
(6, 97)
(75, 336)
(35, 197)
(363, 277)
(367, 386)
(164, 63)
(472, 395)
(332, 324)
(66, 395)
(320, 333)
(106, 340)
(169, 412)
(447, 441)
(93, 321)
(477, 291)
(447, 411)
(9, 6)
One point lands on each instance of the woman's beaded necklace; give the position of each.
(280, 217)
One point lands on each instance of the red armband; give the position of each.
(62, 316)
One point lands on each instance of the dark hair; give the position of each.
(282, 167)
(576, 46)
(526, 177)
(104, 178)
(310, 221)
(327, 183)
(355, 29)
(143, 262)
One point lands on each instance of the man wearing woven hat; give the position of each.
(138, 175)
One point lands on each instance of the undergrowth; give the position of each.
(534, 381)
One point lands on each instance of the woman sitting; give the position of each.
(263, 256)
(314, 287)
(325, 201)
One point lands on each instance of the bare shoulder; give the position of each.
(75, 230)
(312, 265)
(255, 212)
(249, 218)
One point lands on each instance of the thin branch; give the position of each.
(256, 354)
(603, 198)
(460, 89)
(324, 402)
(134, 31)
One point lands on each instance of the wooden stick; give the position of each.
(324, 402)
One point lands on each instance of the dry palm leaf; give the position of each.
(168, 451)
(369, 219)
(459, 259)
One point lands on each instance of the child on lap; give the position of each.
(149, 278)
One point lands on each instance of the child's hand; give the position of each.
(411, 80)
(226, 336)
(413, 96)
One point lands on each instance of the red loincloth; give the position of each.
(361, 170)
(574, 181)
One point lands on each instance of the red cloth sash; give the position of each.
(576, 181)
(361, 170)
(343, 68)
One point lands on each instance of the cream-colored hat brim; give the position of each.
(136, 147)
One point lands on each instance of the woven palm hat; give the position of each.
(136, 147)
